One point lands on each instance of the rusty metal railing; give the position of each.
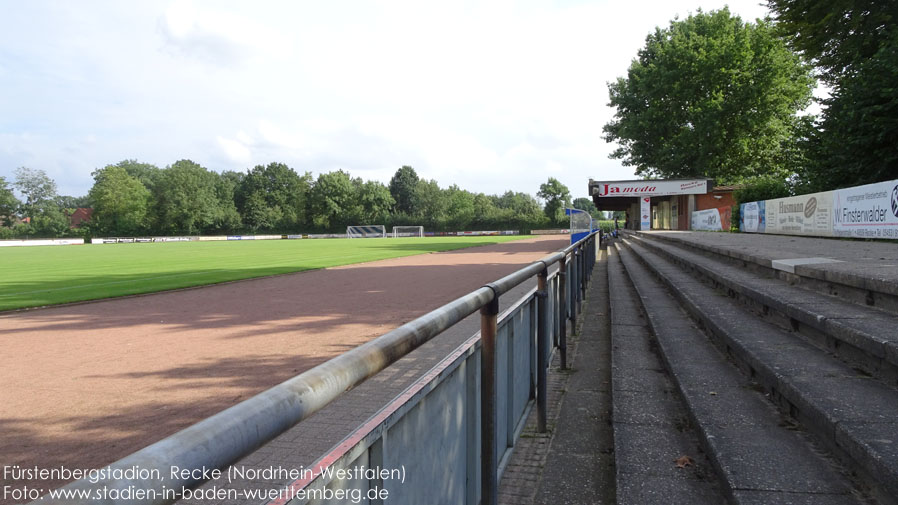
(224, 438)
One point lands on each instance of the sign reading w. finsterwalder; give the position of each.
(869, 211)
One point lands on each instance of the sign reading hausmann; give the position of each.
(800, 215)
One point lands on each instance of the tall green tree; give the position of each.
(460, 210)
(374, 201)
(227, 218)
(431, 204)
(403, 186)
(71, 202)
(709, 96)
(284, 193)
(45, 217)
(38, 189)
(9, 204)
(119, 201)
(485, 211)
(857, 139)
(147, 173)
(587, 205)
(186, 199)
(332, 201)
(855, 47)
(583, 204)
(557, 196)
(836, 35)
(50, 222)
(521, 204)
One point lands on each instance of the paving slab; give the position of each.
(863, 264)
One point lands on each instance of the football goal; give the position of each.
(366, 231)
(408, 231)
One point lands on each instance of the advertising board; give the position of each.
(645, 213)
(59, 241)
(869, 211)
(650, 188)
(752, 217)
(800, 215)
(711, 220)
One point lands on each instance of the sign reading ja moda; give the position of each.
(650, 188)
(869, 211)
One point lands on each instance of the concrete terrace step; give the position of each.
(650, 424)
(862, 335)
(860, 271)
(758, 457)
(854, 416)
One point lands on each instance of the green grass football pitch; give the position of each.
(48, 275)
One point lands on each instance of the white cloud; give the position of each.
(218, 36)
(280, 138)
(235, 150)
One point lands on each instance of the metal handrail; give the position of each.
(231, 434)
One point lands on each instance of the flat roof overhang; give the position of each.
(619, 195)
(614, 204)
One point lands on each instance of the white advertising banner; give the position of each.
(752, 216)
(801, 215)
(707, 220)
(651, 188)
(869, 211)
(645, 213)
(59, 241)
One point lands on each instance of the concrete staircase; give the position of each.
(749, 383)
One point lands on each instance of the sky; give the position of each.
(489, 95)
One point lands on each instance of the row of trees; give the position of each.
(713, 96)
(185, 198)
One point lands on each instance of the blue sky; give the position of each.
(488, 95)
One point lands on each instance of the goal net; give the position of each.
(408, 231)
(366, 231)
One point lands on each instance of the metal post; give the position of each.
(583, 275)
(578, 280)
(542, 338)
(562, 311)
(489, 479)
(590, 248)
(581, 269)
(574, 290)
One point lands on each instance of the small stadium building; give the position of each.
(665, 204)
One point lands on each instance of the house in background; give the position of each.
(80, 216)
